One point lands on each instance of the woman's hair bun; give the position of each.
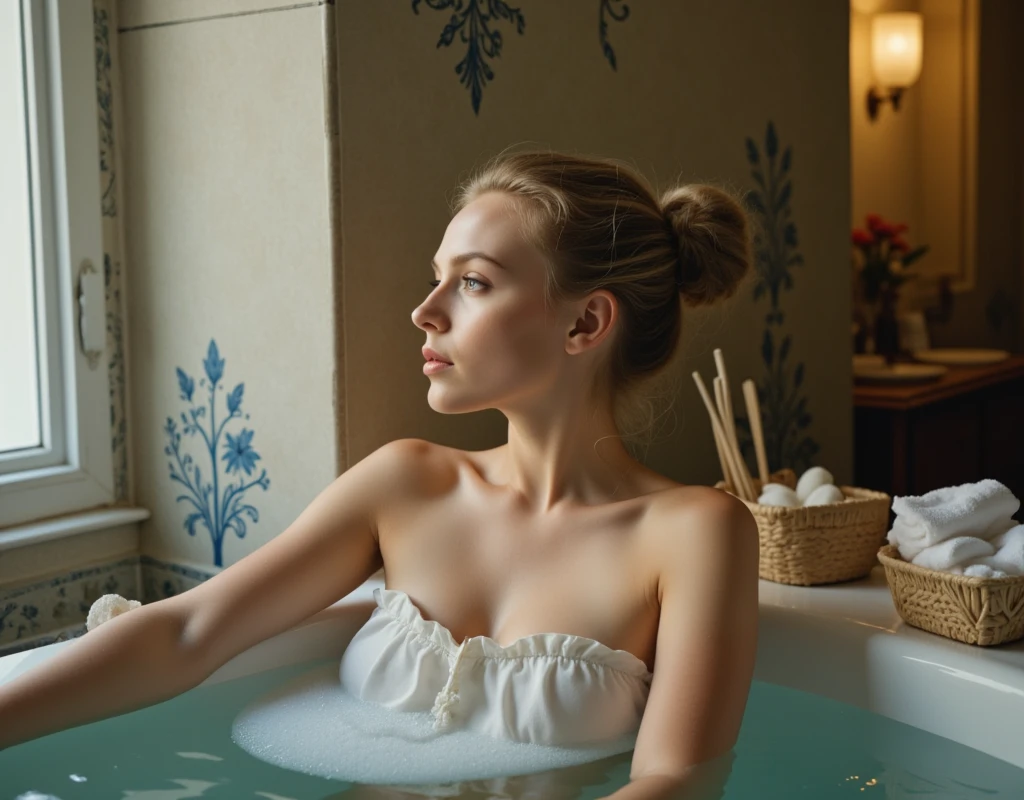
(714, 242)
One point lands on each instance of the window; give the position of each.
(55, 445)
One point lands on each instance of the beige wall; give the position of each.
(228, 239)
(694, 80)
(224, 192)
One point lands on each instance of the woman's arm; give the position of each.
(157, 651)
(706, 649)
(133, 660)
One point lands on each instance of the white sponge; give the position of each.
(108, 607)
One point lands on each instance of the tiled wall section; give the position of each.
(51, 605)
(53, 609)
(162, 579)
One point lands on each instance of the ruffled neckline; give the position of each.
(398, 605)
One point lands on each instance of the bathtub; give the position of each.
(843, 641)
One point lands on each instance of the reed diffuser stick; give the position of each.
(730, 423)
(727, 476)
(754, 415)
(719, 430)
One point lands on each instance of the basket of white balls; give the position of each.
(813, 532)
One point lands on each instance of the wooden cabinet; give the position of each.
(966, 426)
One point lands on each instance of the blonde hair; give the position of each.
(602, 226)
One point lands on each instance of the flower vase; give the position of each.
(886, 327)
(866, 316)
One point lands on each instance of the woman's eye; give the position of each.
(434, 284)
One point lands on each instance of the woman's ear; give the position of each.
(595, 319)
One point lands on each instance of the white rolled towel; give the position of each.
(106, 608)
(997, 529)
(975, 509)
(1009, 555)
(953, 552)
(1011, 535)
(978, 570)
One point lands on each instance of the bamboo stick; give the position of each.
(754, 415)
(730, 424)
(727, 475)
(716, 425)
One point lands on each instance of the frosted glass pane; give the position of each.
(19, 368)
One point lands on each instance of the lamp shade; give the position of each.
(896, 49)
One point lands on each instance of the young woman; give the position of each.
(552, 589)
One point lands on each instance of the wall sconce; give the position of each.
(895, 57)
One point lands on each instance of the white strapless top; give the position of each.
(546, 688)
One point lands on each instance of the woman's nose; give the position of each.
(426, 314)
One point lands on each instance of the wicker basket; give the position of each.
(982, 611)
(813, 545)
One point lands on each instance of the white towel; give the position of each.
(1009, 555)
(978, 509)
(979, 571)
(903, 537)
(953, 552)
(997, 529)
(1015, 533)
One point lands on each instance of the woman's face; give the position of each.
(488, 320)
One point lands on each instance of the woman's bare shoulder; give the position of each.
(421, 466)
(692, 517)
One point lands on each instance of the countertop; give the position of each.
(868, 601)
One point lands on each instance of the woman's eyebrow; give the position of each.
(456, 260)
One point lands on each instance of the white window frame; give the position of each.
(73, 469)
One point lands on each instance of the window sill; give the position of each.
(69, 525)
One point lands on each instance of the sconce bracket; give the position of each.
(876, 99)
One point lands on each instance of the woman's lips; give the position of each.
(435, 366)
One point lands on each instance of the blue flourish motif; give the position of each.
(602, 28)
(783, 409)
(470, 20)
(227, 511)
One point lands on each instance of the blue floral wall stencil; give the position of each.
(619, 15)
(227, 510)
(784, 411)
(24, 623)
(471, 20)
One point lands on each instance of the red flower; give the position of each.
(874, 222)
(862, 238)
(899, 228)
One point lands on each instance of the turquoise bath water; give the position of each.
(793, 745)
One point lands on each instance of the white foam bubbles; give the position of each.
(313, 725)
